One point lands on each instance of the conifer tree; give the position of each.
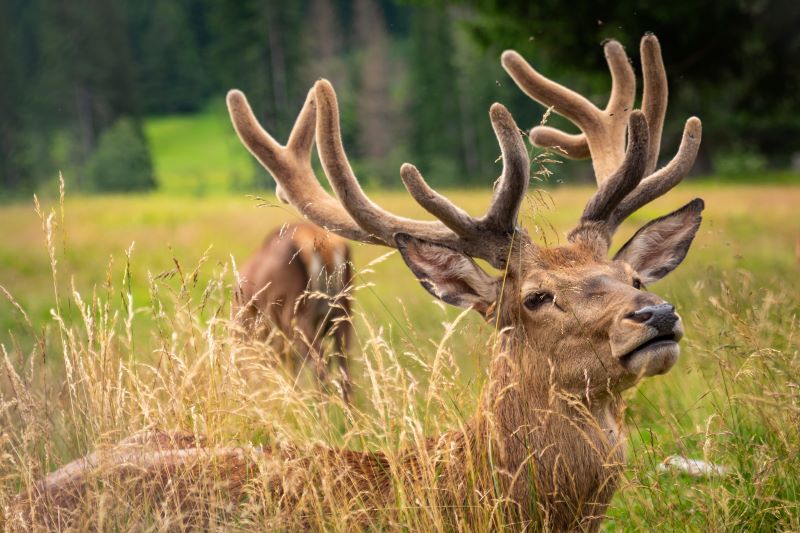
(374, 105)
(172, 77)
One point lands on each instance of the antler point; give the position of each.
(322, 86)
(509, 55)
(235, 97)
(649, 38)
(498, 110)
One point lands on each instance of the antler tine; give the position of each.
(603, 131)
(435, 203)
(601, 206)
(565, 101)
(290, 166)
(623, 84)
(513, 183)
(374, 219)
(654, 96)
(487, 238)
(661, 181)
(501, 216)
(571, 145)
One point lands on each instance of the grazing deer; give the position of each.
(292, 292)
(576, 328)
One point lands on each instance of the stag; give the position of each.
(292, 295)
(576, 328)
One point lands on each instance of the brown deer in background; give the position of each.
(292, 295)
(575, 327)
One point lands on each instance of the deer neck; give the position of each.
(558, 455)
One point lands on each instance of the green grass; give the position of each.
(198, 154)
(732, 398)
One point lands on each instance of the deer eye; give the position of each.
(637, 284)
(537, 299)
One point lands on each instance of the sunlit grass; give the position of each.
(144, 343)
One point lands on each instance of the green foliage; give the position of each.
(434, 102)
(172, 76)
(731, 63)
(72, 69)
(121, 162)
(86, 75)
(742, 162)
(258, 47)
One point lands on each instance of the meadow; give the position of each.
(198, 154)
(113, 319)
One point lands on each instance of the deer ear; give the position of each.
(449, 275)
(661, 244)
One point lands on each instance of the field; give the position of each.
(198, 154)
(144, 345)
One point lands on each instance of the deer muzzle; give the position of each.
(646, 340)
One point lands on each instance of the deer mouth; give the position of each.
(652, 357)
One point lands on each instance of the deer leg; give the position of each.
(319, 361)
(308, 350)
(342, 341)
(148, 463)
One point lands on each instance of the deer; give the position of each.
(292, 295)
(575, 328)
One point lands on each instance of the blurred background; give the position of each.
(129, 96)
(135, 263)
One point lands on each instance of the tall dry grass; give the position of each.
(86, 383)
(87, 379)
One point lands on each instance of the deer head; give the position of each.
(610, 329)
(588, 314)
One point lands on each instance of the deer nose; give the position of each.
(662, 317)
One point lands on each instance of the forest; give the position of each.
(83, 79)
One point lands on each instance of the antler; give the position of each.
(603, 131)
(354, 215)
(604, 203)
(294, 161)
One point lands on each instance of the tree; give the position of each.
(121, 162)
(326, 43)
(12, 167)
(86, 74)
(374, 105)
(172, 77)
(434, 106)
(25, 116)
(730, 62)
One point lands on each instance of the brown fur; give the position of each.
(292, 294)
